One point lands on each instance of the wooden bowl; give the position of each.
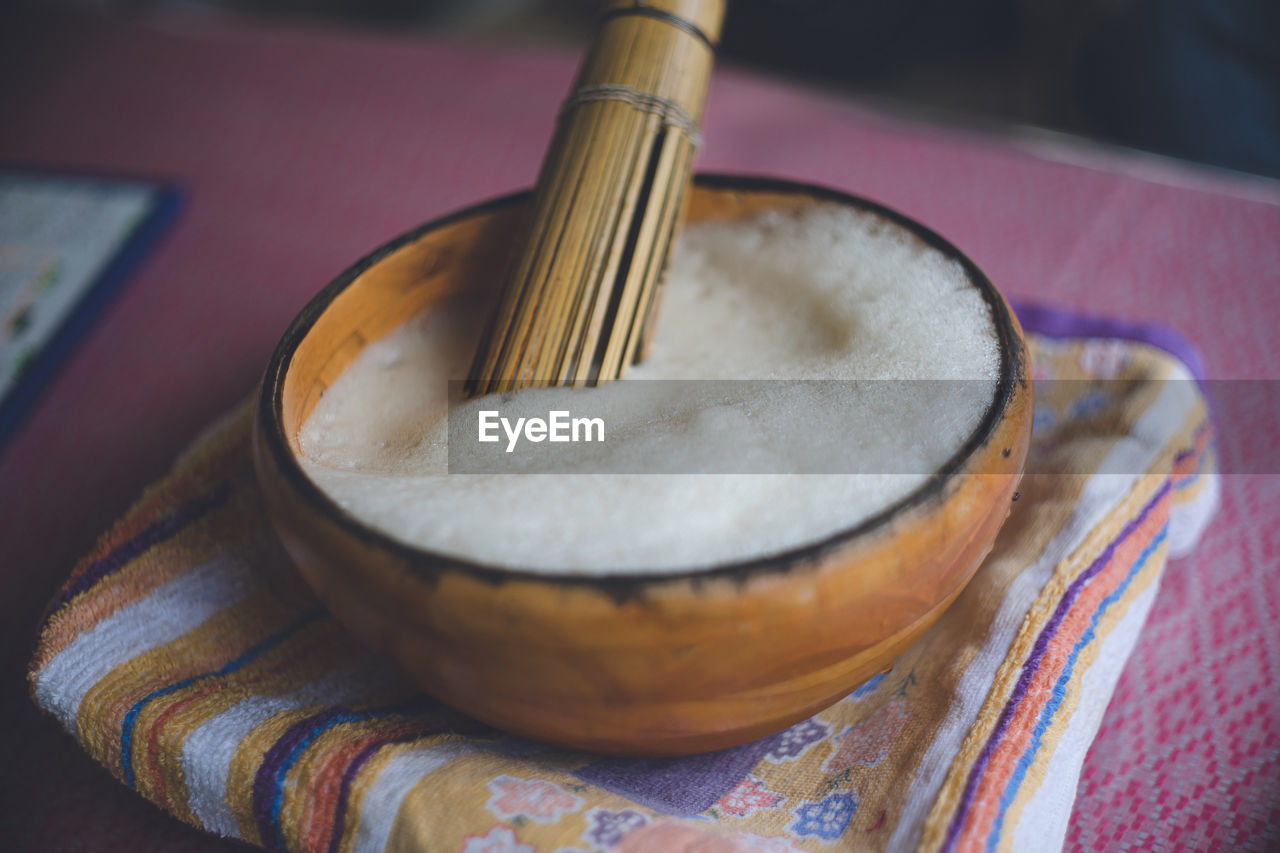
(631, 664)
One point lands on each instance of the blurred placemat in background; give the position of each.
(67, 242)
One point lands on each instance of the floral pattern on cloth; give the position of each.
(869, 687)
(795, 741)
(499, 839)
(606, 827)
(826, 819)
(533, 799)
(668, 834)
(747, 798)
(1103, 358)
(869, 742)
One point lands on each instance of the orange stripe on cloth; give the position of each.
(187, 710)
(202, 540)
(985, 805)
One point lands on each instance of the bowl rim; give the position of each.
(430, 565)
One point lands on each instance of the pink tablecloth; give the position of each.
(301, 150)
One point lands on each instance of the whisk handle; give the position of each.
(577, 299)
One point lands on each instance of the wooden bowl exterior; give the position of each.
(636, 665)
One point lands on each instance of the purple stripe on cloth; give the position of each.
(279, 759)
(275, 758)
(265, 646)
(348, 777)
(1054, 322)
(126, 552)
(1188, 452)
(1033, 662)
(678, 786)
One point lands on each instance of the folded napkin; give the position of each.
(187, 657)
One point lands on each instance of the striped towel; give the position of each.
(186, 656)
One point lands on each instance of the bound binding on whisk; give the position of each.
(576, 303)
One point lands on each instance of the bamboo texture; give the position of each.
(577, 302)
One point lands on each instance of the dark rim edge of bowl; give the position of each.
(429, 565)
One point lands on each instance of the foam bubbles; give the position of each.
(827, 294)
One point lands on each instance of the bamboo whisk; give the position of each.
(576, 302)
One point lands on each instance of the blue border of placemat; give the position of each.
(169, 198)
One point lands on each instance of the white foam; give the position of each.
(829, 294)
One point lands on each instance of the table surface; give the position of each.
(302, 149)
